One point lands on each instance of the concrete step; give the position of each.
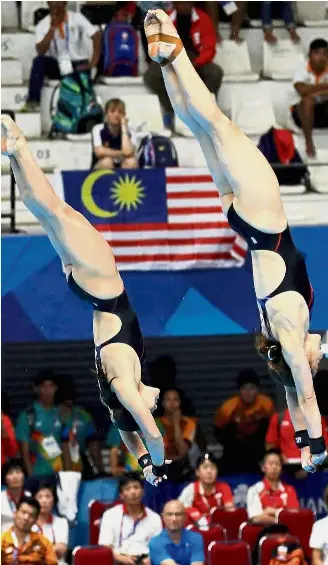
(11, 71)
(13, 97)
(9, 14)
(19, 45)
(29, 123)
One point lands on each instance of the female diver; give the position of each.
(89, 265)
(250, 198)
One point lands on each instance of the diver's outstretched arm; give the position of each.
(299, 425)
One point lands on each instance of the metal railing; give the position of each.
(11, 215)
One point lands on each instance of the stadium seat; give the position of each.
(268, 543)
(281, 60)
(252, 110)
(249, 532)
(230, 520)
(312, 14)
(234, 59)
(299, 522)
(319, 178)
(213, 534)
(28, 9)
(96, 510)
(95, 555)
(229, 552)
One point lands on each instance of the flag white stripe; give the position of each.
(177, 265)
(134, 236)
(172, 249)
(192, 203)
(195, 218)
(188, 187)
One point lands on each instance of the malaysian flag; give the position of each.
(156, 219)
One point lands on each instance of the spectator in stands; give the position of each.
(286, 14)
(240, 425)
(228, 11)
(310, 81)
(20, 544)
(79, 432)
(39, 429)
(200, 497)
(61, 48)
(175, 544)
(113, 146)
(53, 527)
(9, 446)
(319, 538)
(179, 434)
(13, 476)
(199, 38)
(128, 527)
(266, 497)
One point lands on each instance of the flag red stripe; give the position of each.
(173, 257)
(193, 194)
(188, 179)
(160, 242)
(161, 227)
(239, 250)
(196, 210)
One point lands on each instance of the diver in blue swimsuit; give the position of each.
(251, 200)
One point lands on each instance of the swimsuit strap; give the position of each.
(98, 349)
(262, 302)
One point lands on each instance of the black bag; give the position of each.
(40, 14)
(157, 151)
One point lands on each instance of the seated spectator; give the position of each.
(240, 425)
(9, 446)
(310, 81)
(269, 495)
(79, 432)
(20, 544)
(54, 528)
(286, 14)
(175, 544)
(129, 526)
(206, 493)
(112, 142)
(61, 48)
(236, 14)
(13, 476)
(39, 429)
(179, 434)
(319, 538)
(280, 436)
(199, 38)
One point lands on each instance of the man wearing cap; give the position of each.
(200, 497)
(39, 429)
(240, 425)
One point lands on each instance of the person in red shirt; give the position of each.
(198, 34)
(9, 446)
(206, 493)
(280, 435)
(266, 497)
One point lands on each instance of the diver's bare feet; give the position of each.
(12, 139)
(166, 46)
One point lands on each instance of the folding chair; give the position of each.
(300, 523)
(229, 519)
(268, 543)
(225, 552)
(96, 510)
(97, 555)
(249, 532)
(213, 534)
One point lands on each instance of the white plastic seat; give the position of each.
(319, 178)
(312, 14)
(252, 110)
(281, 60)
(234, 59)
(28, 9)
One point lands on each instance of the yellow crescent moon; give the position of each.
(87, 198)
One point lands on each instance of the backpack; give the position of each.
(157, 151)
(278, 147)
(288, 552)
(77, 108)
(120, 46)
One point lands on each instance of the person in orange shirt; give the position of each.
(240, 425)
(179, 434)
(20, 545)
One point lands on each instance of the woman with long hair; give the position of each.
(91, 272)
(251, 200)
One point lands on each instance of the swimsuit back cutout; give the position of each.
(296, 277)
(130, 333)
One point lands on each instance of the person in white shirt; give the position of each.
(319, 538)
(128, 527)
(310, 81)
(61, 48)
(13, 476)
(53, 527)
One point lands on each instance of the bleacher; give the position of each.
(256, 94)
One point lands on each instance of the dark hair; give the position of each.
(46, 485)
(66, 388)
(114, 102)
(206, 457)
(318, 44)
(247, 376)
(123, 420)
(13, 463)
(129, 478)
(272, 452)
(31, 501)
(271, 353)
(45, 375)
